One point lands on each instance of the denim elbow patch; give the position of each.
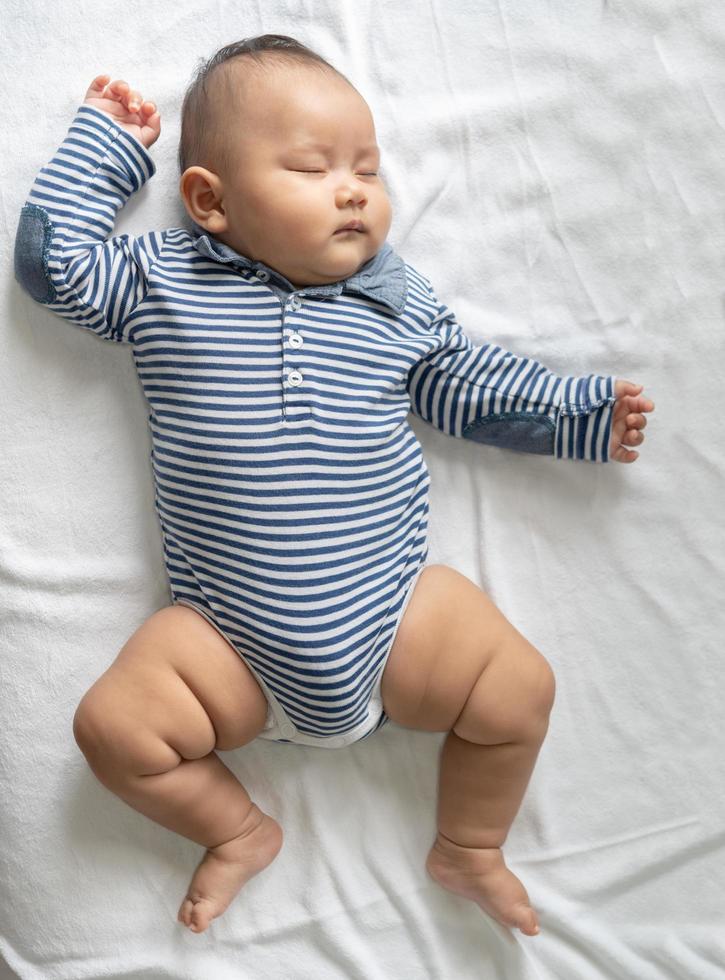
(32, 244)
(521, 431)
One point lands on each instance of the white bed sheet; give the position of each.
(558, 171)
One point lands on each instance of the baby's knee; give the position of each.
(541, 689)
(112, 741)
(511, 700)
(89, 722)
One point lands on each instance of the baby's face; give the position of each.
(307, 165)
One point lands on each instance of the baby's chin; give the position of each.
(327, 272)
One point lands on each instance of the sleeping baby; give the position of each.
(280, 344)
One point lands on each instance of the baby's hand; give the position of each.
(628, 421)
(129, 110)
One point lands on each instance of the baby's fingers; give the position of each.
(118, 91)
(642, 404)
(122, 92)
(633, 437)
(635, 421)
(623, 455)
(95, 89)
(622, 387)
(627, 391)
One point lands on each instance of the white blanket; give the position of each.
(558, 171)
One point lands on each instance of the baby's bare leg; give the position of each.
(148, 728)
(458, 665)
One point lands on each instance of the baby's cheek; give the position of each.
(386, 215)
(300, 215)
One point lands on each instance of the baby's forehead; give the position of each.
(291, 106)
(278, 88)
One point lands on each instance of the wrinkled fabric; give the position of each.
(558, 173)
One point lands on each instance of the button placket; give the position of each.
(293, 376)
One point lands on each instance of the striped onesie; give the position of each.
(291, 492)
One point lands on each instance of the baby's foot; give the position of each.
(481, 875)
(225, 868)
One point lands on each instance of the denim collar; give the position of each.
(381, 279)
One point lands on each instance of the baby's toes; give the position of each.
(201, 915)
(196, 915)
(185, 911)
(525, 920)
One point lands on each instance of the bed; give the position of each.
(558, 172)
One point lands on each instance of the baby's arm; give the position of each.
(492, 396)
(63, 256)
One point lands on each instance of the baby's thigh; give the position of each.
(452, 636)
(177, 676)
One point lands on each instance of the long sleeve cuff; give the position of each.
(131, 156)
(584, 420)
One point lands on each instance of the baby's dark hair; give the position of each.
(204, 141)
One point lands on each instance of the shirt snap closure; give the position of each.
(262, 274)
(295, 378)
(295, 340)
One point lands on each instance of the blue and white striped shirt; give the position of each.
(292, 494)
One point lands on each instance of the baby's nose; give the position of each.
(352, 192)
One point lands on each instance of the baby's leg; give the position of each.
(148, 728)
(458, 665)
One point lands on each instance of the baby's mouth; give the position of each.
(350, 227)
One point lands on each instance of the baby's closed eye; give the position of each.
(365, 173)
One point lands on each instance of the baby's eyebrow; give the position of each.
(326, 147)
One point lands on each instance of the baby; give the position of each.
(280, 345)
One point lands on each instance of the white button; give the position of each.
(295, 378)
(287, 729)
(295, 340)
(262, 274)
(295, 303)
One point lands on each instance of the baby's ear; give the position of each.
(202, 193)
